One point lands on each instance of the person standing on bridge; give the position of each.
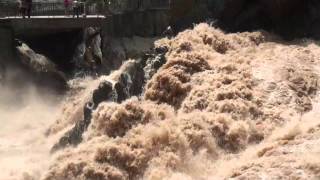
(76, 8)
(29, 7)
(66, 6)
(23, 8)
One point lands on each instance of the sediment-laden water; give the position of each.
(242, 106)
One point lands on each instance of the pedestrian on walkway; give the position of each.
(67, 7)
(23, 8)
(29, 7)
(76, 8)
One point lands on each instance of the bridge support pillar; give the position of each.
(108, 27)
(6, 45)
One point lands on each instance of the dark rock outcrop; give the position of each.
(88, 54)
(43, 70)
(129, 83)
(2, 73)
(117, 50)
(58, 46)
(289, 18)
(183, 13)
(154, 62)
(103, 93)
(74, 136)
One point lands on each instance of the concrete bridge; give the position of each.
(118, 17)
(41, 24)
(55, 16)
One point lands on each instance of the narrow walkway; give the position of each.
(38, 24)
(55, 17)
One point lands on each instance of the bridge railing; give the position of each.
(9, 9)
(122, 6)
(147, 4)
(160, 4)
(52, 9)
(56, 9)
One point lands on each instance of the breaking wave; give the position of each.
(242, 106)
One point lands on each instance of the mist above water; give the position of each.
(25, 114)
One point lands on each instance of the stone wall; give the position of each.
(289, 18)
(6, 44)
(6, 51)
(130, 35)
(148, 23)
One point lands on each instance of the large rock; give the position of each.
(289, 18)
(154, 62)
(129, 82)
(6, 46)
(117, 50)
(103, 93)
(88, 54)
(315, 29)
(2, 73)
(74, 136)
(183, 13)
(44, 71)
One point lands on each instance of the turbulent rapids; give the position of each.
(204, 105)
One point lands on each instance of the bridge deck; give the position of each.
(52, 22)
(54, 17)
(50, 16)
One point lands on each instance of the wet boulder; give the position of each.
(43, 70)
(103, 93)
(315, 29)
(88, 54)
(128, 83)
(2, 73)
(74, 136)
(135, 78)
(154, 62)
(122, 87)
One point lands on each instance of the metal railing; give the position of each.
(160, 4)
(49, 9)
(9, 9)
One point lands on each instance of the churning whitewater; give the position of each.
(223, 106)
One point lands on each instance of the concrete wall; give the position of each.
(43, 26)
(142, 23)
(6, 45)
(6, 51)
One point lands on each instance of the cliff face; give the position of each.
(43, 71)
(289, 18)
(185, 12)
(6, 45)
